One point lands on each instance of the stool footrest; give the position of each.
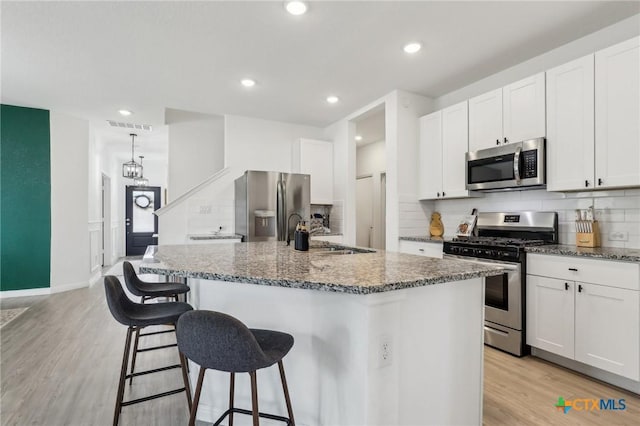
(155, 370)
(157, 347)
(148, 398)
(250, 413)
(158, 332)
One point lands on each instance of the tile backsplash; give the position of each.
(618, 211)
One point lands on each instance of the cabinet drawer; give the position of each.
(603, 272)
(421, 249)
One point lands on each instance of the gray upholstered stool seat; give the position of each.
(217, 341)
(136, 316)
(148, 290)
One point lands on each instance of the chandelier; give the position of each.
(141, 181)
(131, 169)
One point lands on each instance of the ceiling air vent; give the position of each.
(123, 125)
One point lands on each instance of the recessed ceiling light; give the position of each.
(358, 138)
(332, 99)
(125, 112)
(296, 7)
(247, 82)
(412, 47)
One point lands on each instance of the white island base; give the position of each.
(405, 357)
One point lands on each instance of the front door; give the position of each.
(141, 224)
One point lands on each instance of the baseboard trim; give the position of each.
(95, 278)
(25, 293)
(596, 373)
(67, 287)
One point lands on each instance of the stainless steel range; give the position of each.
(501, 238)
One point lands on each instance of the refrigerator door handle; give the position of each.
(280, 210)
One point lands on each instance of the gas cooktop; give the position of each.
(498, 241)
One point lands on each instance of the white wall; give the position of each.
(402, 110)
(250, 144)
(196, 149)
(606, 37)
(371, 158)
(70, 237)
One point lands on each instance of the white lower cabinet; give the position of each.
(420, 249)
(608, 329)
(550, 315)
(596, 323)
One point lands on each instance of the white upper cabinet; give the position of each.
(485, 120)
(510, 114)
(444, 139)
(617, 115)
(524, 109)
(455, 143)
(315, 158)
(430, 156)
(570, 125)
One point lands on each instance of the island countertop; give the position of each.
(276, 264)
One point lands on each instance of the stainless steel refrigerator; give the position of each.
(266, 200)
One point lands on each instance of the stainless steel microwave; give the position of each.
(519, 165)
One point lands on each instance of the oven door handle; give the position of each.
(506, 265)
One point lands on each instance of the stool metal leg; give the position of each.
(135, 353)
(196, 398)
(286, 392)
(232, 384)
(123, 376)
(185, 377)
(254, 399)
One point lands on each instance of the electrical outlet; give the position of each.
(618, 236)
(205, 209)
(385, 351)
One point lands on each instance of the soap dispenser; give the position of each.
(301, 237)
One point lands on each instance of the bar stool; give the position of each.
(217, 341)
(136, 316)
(146, 291)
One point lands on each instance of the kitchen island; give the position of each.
(381, 338)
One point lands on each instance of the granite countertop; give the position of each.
(275, 264)
(214, 237)
(610, 253)
(425, 239)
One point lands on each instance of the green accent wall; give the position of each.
(25, 198)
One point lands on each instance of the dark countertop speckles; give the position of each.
(425, 239)
(215, 237)
(275, 264)
(608, 253)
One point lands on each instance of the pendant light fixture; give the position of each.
(141, 181)
(131, 169)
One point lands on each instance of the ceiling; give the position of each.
(89, 59)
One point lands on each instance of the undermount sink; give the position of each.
(338, 250)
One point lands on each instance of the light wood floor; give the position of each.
(60, 362)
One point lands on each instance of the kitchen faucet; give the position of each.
(289, 232)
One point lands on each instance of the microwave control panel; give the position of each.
(530, 163)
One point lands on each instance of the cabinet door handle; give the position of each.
(443, 193)
(599, 182)
(497, 141)
(438, 194)
(573, 269)
(566, 286)
(579, 288)
(420, 249)
(586, 183)
(506, 140)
